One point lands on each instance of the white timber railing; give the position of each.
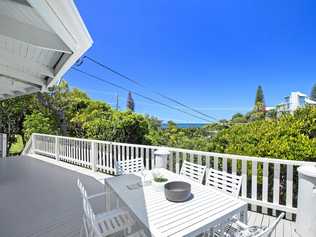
(268, 185)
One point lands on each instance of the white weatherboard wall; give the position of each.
(39, 42)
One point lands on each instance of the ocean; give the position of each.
(186, 125)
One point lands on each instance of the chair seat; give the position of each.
(113, 221)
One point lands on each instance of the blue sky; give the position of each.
(211, 55)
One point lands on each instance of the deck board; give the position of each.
(39, 199)
(284, 229)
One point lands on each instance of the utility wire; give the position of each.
(144, 87)
(138, 94)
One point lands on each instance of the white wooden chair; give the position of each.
(103, 224)
(129, 166)
(193, 171)
(237, 228)
(223, 181)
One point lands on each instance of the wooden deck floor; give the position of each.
(284, 229)
(39, 199)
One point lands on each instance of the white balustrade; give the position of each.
(266, 183)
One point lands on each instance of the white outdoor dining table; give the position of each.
(207, 208)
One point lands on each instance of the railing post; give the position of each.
(94, 156)
(33, 144)
(57, 148)
(3, 145)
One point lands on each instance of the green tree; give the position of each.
(124, 127)
(290, 137)
(238, 118)
(259, 101)
(38, 122)
(130, 102)
(313, 93)
(12, 114)
(56, 102)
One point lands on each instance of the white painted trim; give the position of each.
(29, 34)
(7, 58)
(21, 76)
(270, 205)
(63, 17)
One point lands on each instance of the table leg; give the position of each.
(243, 215)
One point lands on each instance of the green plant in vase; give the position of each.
(159, 181)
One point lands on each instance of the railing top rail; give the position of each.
(202, 153)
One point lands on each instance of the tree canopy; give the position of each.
(313, 93)
(130, 102)
(259, 101)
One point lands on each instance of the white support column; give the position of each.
(57, 148)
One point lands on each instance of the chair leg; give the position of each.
(85, 226)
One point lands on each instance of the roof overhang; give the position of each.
(39, 42)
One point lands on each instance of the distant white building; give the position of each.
(294, 101)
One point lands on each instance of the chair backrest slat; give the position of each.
(129, 166)
(193, 171)
(224, 181)
(88, 211)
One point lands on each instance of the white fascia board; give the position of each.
(64, 19)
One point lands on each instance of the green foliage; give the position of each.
(124, 127)
(313, 93)
(188, 138)
(17, 147)
(38, 122)
(130, 102)
(12, 114)
(160, 179)
(259, 96)
(290, 137)
(239, 118)
(271, 114)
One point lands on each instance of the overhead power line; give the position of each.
(144, 87)
(138, 94)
